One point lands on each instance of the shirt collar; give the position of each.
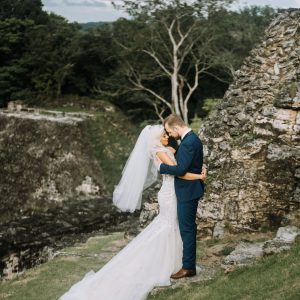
(184, 134)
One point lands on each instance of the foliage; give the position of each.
(23, 10)
(92, 25)
(173, 43)
(49, 69)
(43, 56)
(12, 47)
(196, 123)
(35, 49)
(240, 31)
(113, 138)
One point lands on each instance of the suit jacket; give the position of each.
(189, 157)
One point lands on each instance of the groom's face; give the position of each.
(172, 131)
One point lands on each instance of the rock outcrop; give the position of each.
(51, 185)
(252, 140)
(248, 252)
(46, 159)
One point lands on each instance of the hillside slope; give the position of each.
(58, 167)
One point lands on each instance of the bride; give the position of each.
(155, 253)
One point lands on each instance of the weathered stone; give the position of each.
(288, 233)
(244, 254)
(293, 218)
(51, 186)
(87, 187)
(219, 230)
(280, 152)
(255, 166)
(284, 238)
(275, 246)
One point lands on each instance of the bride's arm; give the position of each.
(165, 158)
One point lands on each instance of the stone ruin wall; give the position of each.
(51, 186)
(252, 139)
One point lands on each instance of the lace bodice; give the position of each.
(167, 177)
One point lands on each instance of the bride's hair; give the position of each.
(172, 143)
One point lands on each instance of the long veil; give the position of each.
(140, 170)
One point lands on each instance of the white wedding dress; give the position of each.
(147, 261)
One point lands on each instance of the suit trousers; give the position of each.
(186, 211)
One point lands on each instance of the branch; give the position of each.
(169, 29)
(186, 35)
(120, 44)
(159, 114)
(97, 89)
(158, 62)
(189, 46)
(193, 88)
(185, 53)
(179, 30)
(165, 45)
(139, 85)
(181, 86)
(217, 77)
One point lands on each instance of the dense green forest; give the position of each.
(129, 62)
(92, 25)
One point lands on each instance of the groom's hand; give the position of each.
(204, 172)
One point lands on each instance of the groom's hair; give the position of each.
(174, 120)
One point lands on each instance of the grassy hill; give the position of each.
(273, 277)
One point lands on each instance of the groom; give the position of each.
(189, 157)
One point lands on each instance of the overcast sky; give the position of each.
(102, 10)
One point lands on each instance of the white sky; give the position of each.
(102, 10)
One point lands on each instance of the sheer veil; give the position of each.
(140, 170)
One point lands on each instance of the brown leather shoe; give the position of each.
(184, 273)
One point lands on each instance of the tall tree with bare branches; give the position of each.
(172, 42)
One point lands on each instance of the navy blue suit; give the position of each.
(189, 157)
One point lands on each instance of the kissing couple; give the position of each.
(166, 248)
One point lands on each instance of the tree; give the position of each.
(91, 50)
(177, 38)
(36, 59)
(13, 66)
(239, 31)
(22, 10)
(50, 51)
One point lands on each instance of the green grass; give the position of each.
(274, 277)
(50, 280)
(113, 137)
